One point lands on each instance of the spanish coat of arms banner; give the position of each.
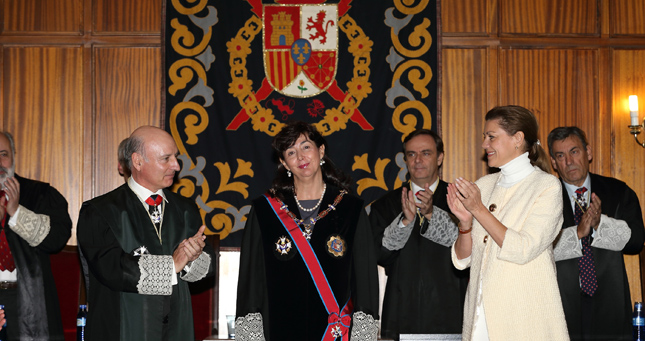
(364, 72)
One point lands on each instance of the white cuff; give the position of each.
(14, 218)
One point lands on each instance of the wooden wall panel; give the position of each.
(43, 110)
(140, 16)
(628, 78)
(558, 85)
(628, 17)
(464, 17)
(127, 95)
(42, 16)
(464, 100)
(549, 17)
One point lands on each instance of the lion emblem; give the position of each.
(319, 27)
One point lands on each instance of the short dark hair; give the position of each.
(285, 139)
(562, 133)
(437, 139)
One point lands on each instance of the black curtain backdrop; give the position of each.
(364, 72)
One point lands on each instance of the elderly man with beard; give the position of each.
(35, 223)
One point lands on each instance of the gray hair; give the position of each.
(131, 145)
(122, 158)
(11, 142)
(562, 133)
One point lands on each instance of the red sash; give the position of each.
(338, 321)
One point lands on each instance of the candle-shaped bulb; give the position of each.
(633, 109)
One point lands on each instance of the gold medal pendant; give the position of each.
(336, 246)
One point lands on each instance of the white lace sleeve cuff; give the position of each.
(441, 229)
(156, 275)
(364, 327)
(30, 226)
(249, 328)
(198, 268)
(567, 244)
(612, 234)
(395, 237)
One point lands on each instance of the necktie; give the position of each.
(6, 259)
(588, 281)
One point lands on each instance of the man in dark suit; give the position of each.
(35, 224)
(602, 221)
(143, 243)
(414, 231)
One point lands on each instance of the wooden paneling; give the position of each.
(572, 62)
(628, 17)
(43, 110)
(558, 85)
(42, 16)
(464, 17)
(127, 95)
(464, 98)
(140, 16)
(549, 17)
(69, 96)
(628, 78)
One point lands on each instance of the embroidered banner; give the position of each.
(364, 72)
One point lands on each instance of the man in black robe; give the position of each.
(414, 230)
(35, 224)
(143, 243)
(610, 225)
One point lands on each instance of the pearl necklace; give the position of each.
(315, 207)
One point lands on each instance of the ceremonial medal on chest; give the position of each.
(156, 216)
(336, 246)
(283, 245)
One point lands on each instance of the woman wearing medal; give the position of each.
(307, 266)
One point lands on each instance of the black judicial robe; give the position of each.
(280, 288)
(110, 227)
(611, 310)
(39, 312)
(424, 292)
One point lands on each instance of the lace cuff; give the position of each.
(441, 229)
(364, 327)
(567, 244)
(198, 268)
(31, 227)
(249, 328)
(156, 275)
(612, 234)
(395, 237)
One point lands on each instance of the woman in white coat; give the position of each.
(508, 221)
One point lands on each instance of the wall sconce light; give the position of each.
(634, 127)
